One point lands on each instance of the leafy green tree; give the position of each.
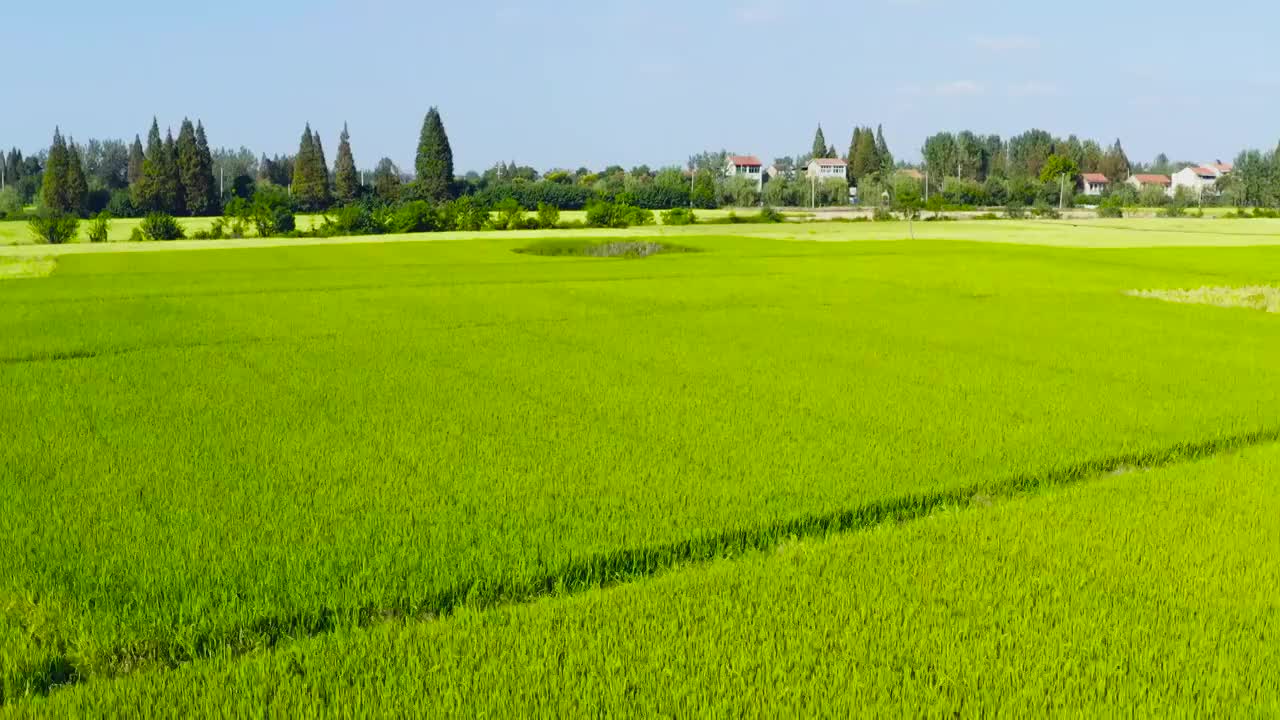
(703, 194)
(75, 184)
(435, 160)
(819, 144)
(1115, 164)
(346, 180)
(136, 158)
(54, 194)
(386, 181)
(1058, 166)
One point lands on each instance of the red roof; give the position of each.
(830, 162)
(1095, 178)
(745, 161)
(1153, 179)
(1207, 172)
(1222, 167)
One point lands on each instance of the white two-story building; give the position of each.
(747, 166)
(827, 169)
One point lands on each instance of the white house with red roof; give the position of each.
(827, 169)
(1145, 181)
(1094, 183)
(748, 166)
(1201, 179)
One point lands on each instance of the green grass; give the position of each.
(217, 452)
(1149, 591)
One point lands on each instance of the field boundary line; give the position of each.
(616, 568)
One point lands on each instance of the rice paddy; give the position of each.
(353, 471)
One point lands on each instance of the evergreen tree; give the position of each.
(310, 176)
(210, 195)
(53, 189)
(386, 181)
(1115, 164)
(819, 144)
(882, 152)
(346, 180)
(76, 185)
(864, 162)
(172, 198)
(146, 191)
(435, 160)
(136, 159)
(853, 150)
(188, 157)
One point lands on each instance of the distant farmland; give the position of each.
(767, 477)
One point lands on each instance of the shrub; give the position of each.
(604, 214)
(1015, 210)
(465, 213)
(54, 228)
(1043, 209)
(1111, 207)
(510, 215)
(217, 231)
(1174, 210)
(771, 215)
(882, 214)
(679, 216)
(415, 216)
(161, 226)
(354, 219)
(10, 203)
(121, 205)
(99, 227)
(548, 216)
(272, 212)
(986, 216)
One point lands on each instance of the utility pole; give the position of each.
(1062, 192)
(222, 181)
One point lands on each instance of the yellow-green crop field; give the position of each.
(769, 477)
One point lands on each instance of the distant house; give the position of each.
(1221, 167)
(1144, 181)
(826, 169)
(1094, 183)
(747, 166)
(773, 172)
(1196, 180)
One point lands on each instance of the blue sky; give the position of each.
(596, 82)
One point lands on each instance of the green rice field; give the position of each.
(974, 473)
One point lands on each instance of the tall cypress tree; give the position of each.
(171, 196)
(435, 160)
(136, 159)
(146, 191)
(346, 181)
(819, 144)
(863, 162)
(53, 189)
(853, 150)
(320, 171)
(188, 155)
(883, 155)
(211, 197)
(310, 176)
(75, 184)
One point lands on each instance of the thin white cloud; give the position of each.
(1034, 88)
(959, 88)
(1008, 43)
